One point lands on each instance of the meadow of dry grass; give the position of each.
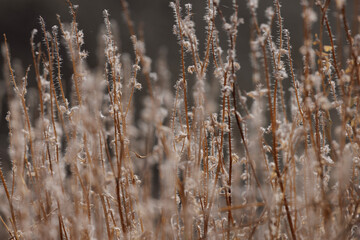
(126, 154)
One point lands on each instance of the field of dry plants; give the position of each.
(130, 154)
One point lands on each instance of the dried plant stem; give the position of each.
(13, 218)
(74, 59)
(183, 77)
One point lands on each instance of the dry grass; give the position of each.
(89, 165)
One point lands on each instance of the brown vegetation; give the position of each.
(273, 163)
